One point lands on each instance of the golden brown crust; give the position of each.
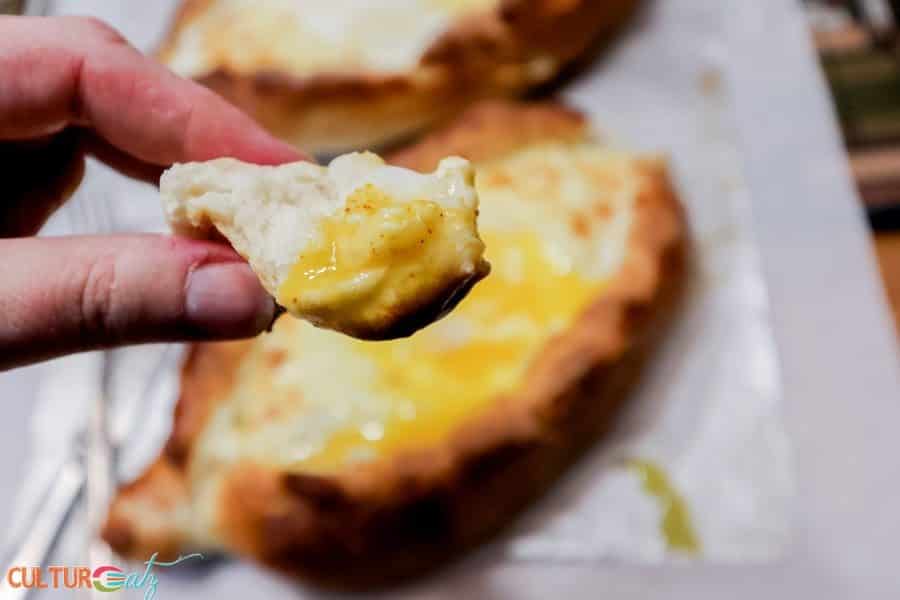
(521, 44)
(491, 129)
(160, 491)
(393, 518)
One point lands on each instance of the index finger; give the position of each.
(60, 71)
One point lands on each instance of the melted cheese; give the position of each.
(555, 220)
(375, 253)
(314, 35)
(433, 381)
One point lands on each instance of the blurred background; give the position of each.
(859, 46)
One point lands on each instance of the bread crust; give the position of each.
(379, 522)
(501, 53)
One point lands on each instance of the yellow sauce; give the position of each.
(373, 256)
(438, 384)
(676, 525)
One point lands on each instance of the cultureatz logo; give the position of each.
(105, 578)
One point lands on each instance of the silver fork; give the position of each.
(93, 213)
(46, 523)
(48, 520)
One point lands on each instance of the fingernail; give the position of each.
(226, 300)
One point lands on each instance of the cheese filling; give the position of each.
(439, 378)
(555, 220)
(373, 254)
(314, 35)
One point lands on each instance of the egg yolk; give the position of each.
(503, 322)
(374, 257)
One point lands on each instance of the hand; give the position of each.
(74, 86)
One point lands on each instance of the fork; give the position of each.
(49, 519)
(95, 214)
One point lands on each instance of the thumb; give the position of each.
(63, 295)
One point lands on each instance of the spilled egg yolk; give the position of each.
(443, 375)
(374, 257)
(675, 525)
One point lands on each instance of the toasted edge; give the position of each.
(498, 54)
(390, 519)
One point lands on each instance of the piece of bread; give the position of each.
(357, 464)
(372, 250)
(335, 75)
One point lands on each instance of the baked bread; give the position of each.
(372, 250)
(335, 75)
(355, 463)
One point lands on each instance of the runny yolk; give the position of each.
(436, 381)
(373, 256)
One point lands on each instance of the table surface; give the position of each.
(835, 341)
(887, 247)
